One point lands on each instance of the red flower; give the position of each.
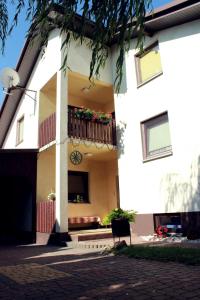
(165, 229)
(161, 231)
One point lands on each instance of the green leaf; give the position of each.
(107, 20)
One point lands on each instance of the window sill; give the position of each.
(154, 157)
(148, 80)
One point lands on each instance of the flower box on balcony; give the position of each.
(91, 115)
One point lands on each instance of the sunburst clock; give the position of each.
(76, 157)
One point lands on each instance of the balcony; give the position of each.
(89, 130)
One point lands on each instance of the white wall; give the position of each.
(46, 67)
(164, 185)
(79, 58)
(169, 184)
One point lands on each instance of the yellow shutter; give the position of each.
(150, 64)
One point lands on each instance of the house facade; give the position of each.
(159, 165)
(146, 156)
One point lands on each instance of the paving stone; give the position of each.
(29, 273)
(62, 273)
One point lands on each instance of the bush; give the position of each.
(119, 213)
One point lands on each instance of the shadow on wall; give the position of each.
(120, 129)
(182, 194)
(123, 86)
(121, 126)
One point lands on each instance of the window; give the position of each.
(148, 64)
(20, 130)
(172, 221)
(156, 140)
(78, 187)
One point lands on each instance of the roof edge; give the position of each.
(169, 8)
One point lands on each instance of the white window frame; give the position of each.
(20, 137)
(162, 152)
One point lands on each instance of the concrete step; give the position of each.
(87, 235)
(98, 244)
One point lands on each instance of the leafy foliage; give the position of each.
(108, 20)
(89, 114)
(119, 213)
(3, 22)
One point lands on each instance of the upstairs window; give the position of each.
(156, 139)
(148, 64)
(20, 130)
(78, 187)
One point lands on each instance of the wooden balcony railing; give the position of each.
(47, 130)
(90, 130)
(46, 216)
(79, 129)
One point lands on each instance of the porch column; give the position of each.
(61, 153)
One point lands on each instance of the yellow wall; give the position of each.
(47, 106)
(102, 188)
(109, 107)
(112, 172)
(78, 101)
(102, 184)
(45, 174)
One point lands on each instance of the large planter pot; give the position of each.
(120, 227)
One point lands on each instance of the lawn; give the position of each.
(189, 256)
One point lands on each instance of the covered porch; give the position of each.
(92, 181)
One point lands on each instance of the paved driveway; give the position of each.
(58, 273)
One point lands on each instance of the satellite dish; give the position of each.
(9, 78)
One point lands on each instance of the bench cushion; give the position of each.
(84, 220)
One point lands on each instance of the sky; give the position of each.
(15, 42)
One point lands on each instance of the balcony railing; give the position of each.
(47, 130)
(78, 129)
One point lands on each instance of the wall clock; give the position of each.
(76, 157)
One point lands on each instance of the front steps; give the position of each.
(90, 234)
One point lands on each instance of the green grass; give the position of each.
(189, 256)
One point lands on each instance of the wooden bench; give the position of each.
(93, 220)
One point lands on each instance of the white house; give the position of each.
(153, 167)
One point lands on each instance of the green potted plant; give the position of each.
(104, 118)
(96, 116)
(84, 113)
(51, 196)
(119, 220)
